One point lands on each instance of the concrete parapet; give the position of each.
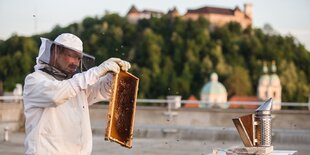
(193, 117)
(10, 116)
(280, 136)
(206, 124)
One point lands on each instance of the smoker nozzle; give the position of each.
(264, 109)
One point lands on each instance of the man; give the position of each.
(56, 98)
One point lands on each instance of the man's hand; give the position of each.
(124, 65)
(114, 65)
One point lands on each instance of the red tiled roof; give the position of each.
(191, 105)
(243, 99)
(174, 10)
(133, 9)
(214, 10)
(152, 12)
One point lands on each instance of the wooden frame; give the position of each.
(122, 108)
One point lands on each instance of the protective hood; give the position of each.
(43, 60)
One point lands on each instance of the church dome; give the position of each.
(214, 87)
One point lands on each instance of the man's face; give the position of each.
(68, 60)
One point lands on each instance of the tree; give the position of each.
(238, 82)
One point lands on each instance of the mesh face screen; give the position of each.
(46, 55)
(87, 62)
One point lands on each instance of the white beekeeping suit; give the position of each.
(56, 111)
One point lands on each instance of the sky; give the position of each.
(28, 17)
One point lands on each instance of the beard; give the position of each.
(71, 69)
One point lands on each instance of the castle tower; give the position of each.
(173, 12)
(248, 10)
(133, 15)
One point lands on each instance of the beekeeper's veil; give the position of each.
(65, 40)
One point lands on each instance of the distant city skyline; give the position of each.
(35, 16)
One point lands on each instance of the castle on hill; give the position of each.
(215, 15)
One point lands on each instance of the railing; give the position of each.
(11, 98)
(293, 104)
(166, 101)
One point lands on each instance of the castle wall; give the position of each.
(220, 20)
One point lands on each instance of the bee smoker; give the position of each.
(255, 130)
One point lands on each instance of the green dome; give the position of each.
(213, 87)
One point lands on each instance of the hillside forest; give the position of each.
(172, 56)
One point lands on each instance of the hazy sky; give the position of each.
(27, 17)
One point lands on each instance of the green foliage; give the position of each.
(17, 59)
(238, 82)
(173, 56)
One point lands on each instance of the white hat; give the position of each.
(70, 41)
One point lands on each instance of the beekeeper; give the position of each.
(56, 97)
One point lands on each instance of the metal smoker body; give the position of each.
(263, 124)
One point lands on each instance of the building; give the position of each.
(173, 12)
(217, 16)
(269, 86)
(221, 16)
(214, 93)
(192, 102)
(237, 102)
(134, 15)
